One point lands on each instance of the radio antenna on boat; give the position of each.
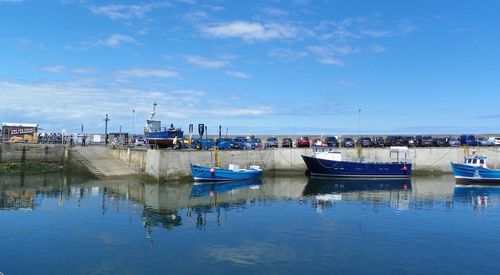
(153, 113)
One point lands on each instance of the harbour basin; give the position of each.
(65, 224)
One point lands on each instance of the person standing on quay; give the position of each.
(83, 140)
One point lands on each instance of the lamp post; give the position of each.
(106, 119)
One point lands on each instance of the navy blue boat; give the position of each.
(474, 170)
(330, 164)
(161, 137)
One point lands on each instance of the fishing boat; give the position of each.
(330, 164)
(213, 173)
(162, 137)
(474, 170)
(216, 173)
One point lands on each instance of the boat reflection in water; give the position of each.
(214, 197)
(212, 189)
(328, 190)
(479, 197)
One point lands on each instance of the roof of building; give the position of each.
(8, 124)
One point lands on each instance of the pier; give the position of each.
(174, 164)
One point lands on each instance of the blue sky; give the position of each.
(254, 67)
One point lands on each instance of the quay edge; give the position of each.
(174, 165)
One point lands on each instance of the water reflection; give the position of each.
(160, 205)
(479, 197)
(328, 190)
(130, 226)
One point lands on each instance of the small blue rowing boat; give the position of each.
(474, 170)
(212, 173)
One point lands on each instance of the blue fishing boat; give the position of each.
(474, 170)
(330, 164)
(213, 173)
(162, 137)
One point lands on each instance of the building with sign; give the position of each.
(20, 132)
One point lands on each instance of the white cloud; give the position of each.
(142, 73)
(73, 103)
(238, 74)
(188, 92)
(205, 62)
(250, 31)
(116, 40)
(375, 33)
(378, 49)
(328, 54)
(53, 69)
(125, 12)
(195, 16)
(64, 69)
(286, 55)
(347, 83)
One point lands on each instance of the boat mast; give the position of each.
(153, 113)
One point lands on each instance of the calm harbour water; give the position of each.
(61, 224)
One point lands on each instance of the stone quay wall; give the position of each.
(21, 152)
(168, 164)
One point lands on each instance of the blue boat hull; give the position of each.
(465, 174)
(202, 173)
(346, 169)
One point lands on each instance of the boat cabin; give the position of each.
(328, 155)
(476, 161)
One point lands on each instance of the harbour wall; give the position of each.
(168, 164)
(19, 152)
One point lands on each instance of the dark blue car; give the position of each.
(469, 140)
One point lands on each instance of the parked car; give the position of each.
(256, 142)
(317, 142)
(427, 141)
(364, 142)
(271, 142)
(379, 142)
(348, 142)
(409, 141)
(482, 141)
(397, 141)
(496, 141)
(332, 141)
(223, 143)
(287, 143)
(241, 143)
(303, 142)
(138, 142)
(469, 140)
(454, 142)
(441, 142)
(417, 142)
